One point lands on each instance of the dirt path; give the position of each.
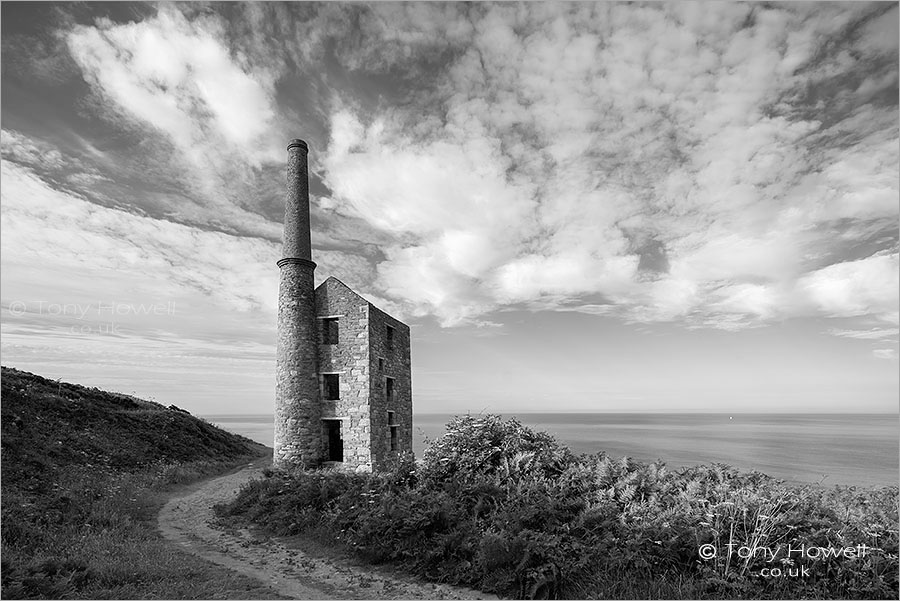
(186, 521)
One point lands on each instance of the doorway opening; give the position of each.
(335, 444)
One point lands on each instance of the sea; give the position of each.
(847, 449)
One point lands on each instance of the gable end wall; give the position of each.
(350, 359)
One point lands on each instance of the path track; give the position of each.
(186, 520)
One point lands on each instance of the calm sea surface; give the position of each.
(858, 449)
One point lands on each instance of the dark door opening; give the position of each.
(335, 442)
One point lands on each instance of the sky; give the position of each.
(576, 207)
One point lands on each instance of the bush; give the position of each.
(487, 446)
(496, 506)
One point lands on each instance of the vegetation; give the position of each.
(496, 506)
(84, 474)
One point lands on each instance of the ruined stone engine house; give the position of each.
(343, 393)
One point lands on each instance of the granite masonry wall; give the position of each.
(349, 360)
(389, 360)
(296, 389)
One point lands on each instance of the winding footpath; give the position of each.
(188, 521)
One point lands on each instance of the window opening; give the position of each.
(330, 330)
(390, 337)
(389, 389)
(394, 437)
(392, 427)
(332, 385)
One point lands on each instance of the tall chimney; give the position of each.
(297, 408)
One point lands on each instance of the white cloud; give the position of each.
(565, 274)
(180, 77)
(665, 299)
(155, 301)
(201, 116)
(884, 353)
(167, 260)
(722, 255)
(869, 286)
(551, 148)
(759, 301)
(21, 149)
(172, 258)
(398, 186)
(870, 334)
(569, 132)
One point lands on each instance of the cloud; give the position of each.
(884, 353)
(569, 148)
(870, 334)
(152, 300)
(179, 77)
(23, 150)
(725, 165)
(124, 300)
(154, 258)
(200, 117)
(172, 258)
(869, 286)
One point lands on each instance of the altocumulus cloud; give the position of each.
(668, 161)
(713, 164)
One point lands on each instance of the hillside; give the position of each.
(84, 472)
(48, 426)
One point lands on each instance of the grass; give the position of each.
(500, 508)
(85, 473)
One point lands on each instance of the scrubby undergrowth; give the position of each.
(84, 473)
(496, 506)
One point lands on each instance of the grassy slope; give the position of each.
(84, 474)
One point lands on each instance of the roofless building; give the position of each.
(343, 392)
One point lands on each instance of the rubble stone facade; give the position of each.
(297, 406)
(391, 406)
(361, 362)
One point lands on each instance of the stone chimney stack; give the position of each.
(297, 407)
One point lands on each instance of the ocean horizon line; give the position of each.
(610, 412)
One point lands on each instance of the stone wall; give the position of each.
(349, 358)
(296, 392)
(389, 362)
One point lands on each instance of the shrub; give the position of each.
(496, 506)
(485, 445)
